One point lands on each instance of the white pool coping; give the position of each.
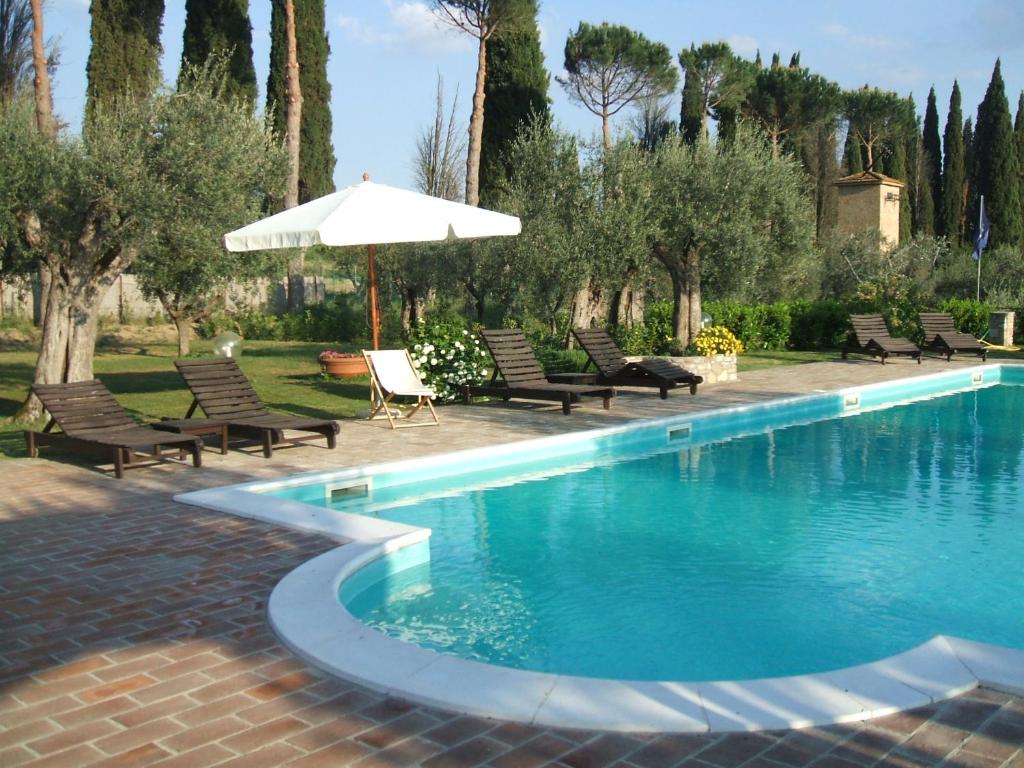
(306, 613)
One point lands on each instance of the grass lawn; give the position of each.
(143, 379)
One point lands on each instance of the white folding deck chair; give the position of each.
(392, 375)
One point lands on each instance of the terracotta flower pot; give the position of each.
(344, 366)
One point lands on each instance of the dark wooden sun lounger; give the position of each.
(871, 337)
(92, 422)
(522, 376)
(941, 336)
(613, 368)
(225, 394)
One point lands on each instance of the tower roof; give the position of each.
(869, 177)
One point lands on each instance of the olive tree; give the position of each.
(731, 217)
(83, 209)
(546, 191)
(213, 165)
(87, 209)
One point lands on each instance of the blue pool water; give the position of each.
(799, 550)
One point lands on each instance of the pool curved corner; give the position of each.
(307, 613)
(308, 617)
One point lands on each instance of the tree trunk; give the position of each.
(182, 322)
(589, 306)
(686, 299)
(82, 339)
(293, 127)
(44, 295)
(628, 307)
(297, 282)
(184, 327)
(606, 131)
(680, 304)
(478, 299)
(53, 349)
(692, 273)
(476, 127)
(41, 81)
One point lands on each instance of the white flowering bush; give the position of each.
(448, 356)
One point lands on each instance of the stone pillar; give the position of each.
(1000, 328)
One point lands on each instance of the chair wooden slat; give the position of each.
(224, 392)
(522, 375)
(613, 368)
(92, 421)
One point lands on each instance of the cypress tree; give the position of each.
(692, 107)
(971, 186)
(516, 91)
(316, 158)
(923, 204)
(995, 160)
(897, 168)
(853, 156)
(125, 52)
(932, 150)
(954, 173)
(1018, 140)
(221, 27)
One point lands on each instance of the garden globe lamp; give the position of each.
(227, 344)
(706, 320)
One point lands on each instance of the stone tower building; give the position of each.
(870, 200)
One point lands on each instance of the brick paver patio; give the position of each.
(133, 628)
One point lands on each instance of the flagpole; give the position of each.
(981, 217)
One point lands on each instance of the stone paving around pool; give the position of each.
(134, 630)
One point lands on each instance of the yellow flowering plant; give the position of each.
(717, 340)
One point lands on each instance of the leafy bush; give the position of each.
(819, 324)
(758, 326)
(447, 356)
(651, 337)
(336, 320)
(969, 316)
(716, 340)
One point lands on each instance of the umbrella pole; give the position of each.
(371, 253)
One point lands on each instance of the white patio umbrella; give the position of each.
(371, 214)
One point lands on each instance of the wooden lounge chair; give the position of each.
(613, 368)
(941, 336)
(871, 337)
(392, 374)
(92, 422)
(522, 376)
(224, 393)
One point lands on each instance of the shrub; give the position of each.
(651, 337)
(818, 324)
(336, 320)
(758, 326)
(969, 316)
(447, 356)
(716, 340)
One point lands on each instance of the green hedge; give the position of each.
(340, 319)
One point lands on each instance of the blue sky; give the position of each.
(387, 54)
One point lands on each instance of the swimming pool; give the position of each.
(689, 546)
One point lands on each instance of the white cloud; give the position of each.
(411, 25)
(744, 45)
(846, 35)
